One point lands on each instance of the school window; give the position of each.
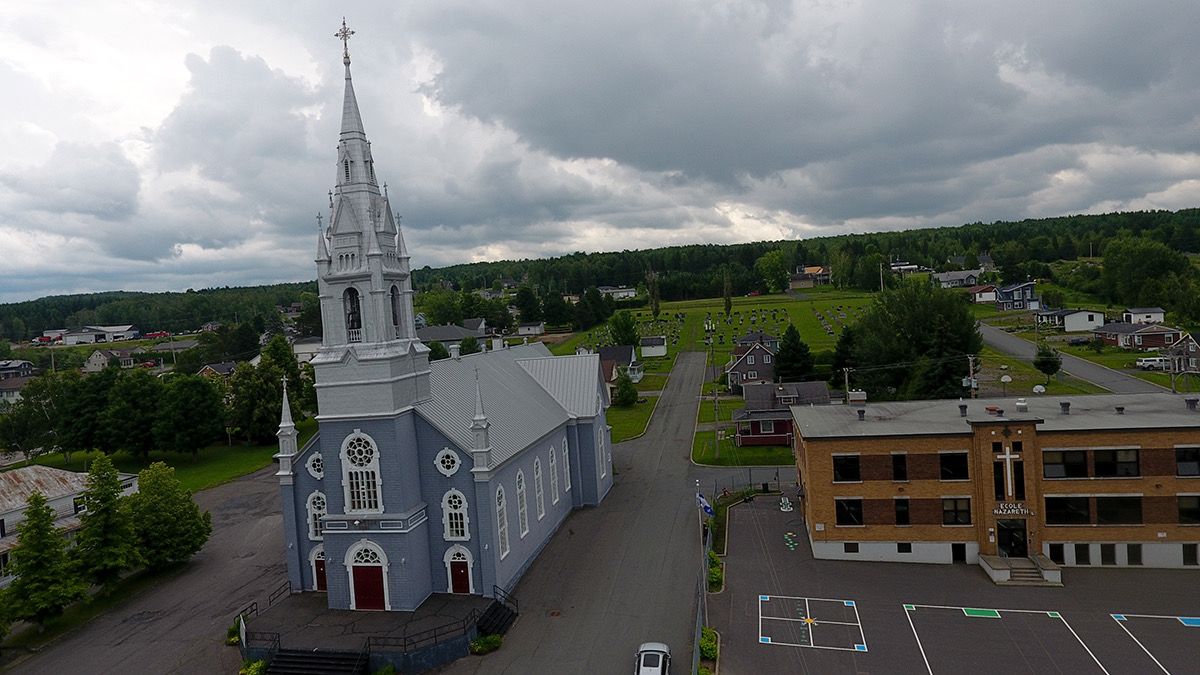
(1064, 464)
(1108, 554)
(956, 511)
(1187, 461)
(1191, 554)
(849, 511)
(846, 469)
(1133, 554)
(1083, 554)
(998, 484)
(904, 547)
(850, 547)
(902, 513)
(1057, 553)
(1119, 510)
(1067, 511)
(1116, 463)
(1189, 510)
(954, 466)
(899, 467)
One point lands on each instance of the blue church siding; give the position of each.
(294, 554)
(435, 485)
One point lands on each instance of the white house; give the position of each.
(306, 348)
(1071, 320)
(1144, 315)
(531, 328)
(654, 346)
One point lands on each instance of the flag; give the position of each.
(703, 503)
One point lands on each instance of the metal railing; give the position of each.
(279, 592)
(249, 610)
(505, 597)
(262, 639)
(429, 636)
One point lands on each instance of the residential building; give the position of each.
(1144, 315)
(1106, 480)
(15, 368)
(808, 276)
(985, 262)
(174, 346)
(1140, 336)
(1071, 320)
(749, 364)
(1017, 296)
(10, 388)
(766, 418)
(625, 358)
(62, 490)
(531, 328)
(88, 335)
(982, 294)
(956, 279)
(618, 293)
(306, 348)
(756, 337)
(101, 358)
(223, 370)
(425, 477)
(654, 346)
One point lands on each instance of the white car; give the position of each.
(653, 658)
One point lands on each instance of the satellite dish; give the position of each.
(1006, 379)
(1039, 389)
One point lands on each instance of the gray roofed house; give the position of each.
(15, 368)
(1144, 315)
(766, 417)
(1141, 336)
(174, 346)
(10, 388)
(654, 346)
(447, 335)
(957, 279)
(755, 336)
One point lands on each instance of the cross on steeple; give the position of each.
(344, 35)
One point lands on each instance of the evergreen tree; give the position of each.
(469, 345)
(794, 362)
(438, 351)
(652, 290)
(939, 372)
(555, 310)
(627, 393)
(1047, 360)
(104, 545)
(527, 304)
(623, 328)
(727, 292)
(167, 523)
(44, 583)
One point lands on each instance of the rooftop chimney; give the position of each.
(862, 414)
(1066, 407)
(1120, 410)
(1191, 402)
(455, 350)
(962, 409)
(999, 412)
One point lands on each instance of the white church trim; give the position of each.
(459, 554)
(365, 553)
(361, 481)
(456, 522)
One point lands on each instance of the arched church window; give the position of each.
(346, 168)
(316, 510)
(454, 517)
(501, 522)
(553, 476)
(361, 468)
(539, 495)
(566, 468)
(367, 556)
(394, 297)
(600, 453)
(353, 308)
(522, 505)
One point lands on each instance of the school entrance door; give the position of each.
(1010, 538)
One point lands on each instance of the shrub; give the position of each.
(705, 671)
(708, 644)
(486, 643)
(253, 668)
(231, 633)
(389, 669)
(716, 576)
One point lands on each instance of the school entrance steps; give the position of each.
(1005, 571)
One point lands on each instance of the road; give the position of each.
(178, 625)
(1112, 380)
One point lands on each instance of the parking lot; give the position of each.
(783, 611)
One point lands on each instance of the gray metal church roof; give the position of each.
(573, 381)
(519, 410)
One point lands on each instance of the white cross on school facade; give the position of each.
(1008, 458)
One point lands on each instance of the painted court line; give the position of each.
(976, 612)
(1121, 620)
(810, 623)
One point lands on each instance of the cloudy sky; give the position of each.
(165, 145)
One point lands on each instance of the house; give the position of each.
(101, 358)
(654, 346)
(985, 261)
(62, 490)
(754, 337)
(306, 348)
(477, 324)
(753, 363)
(88, 335)
(10, 388)
(1071, 320)
(1084, 480)
(810, 276)
(982, 294)
(617, 293)
(448, 335)
(448, 476)
(174, 346)
(210, 327)
(531, 328)
(224, 369)
(1017, 296)
(1140, 336)
(1144, 315)
(15, 368)
(956, 279)
(623, 356)
(766, 418)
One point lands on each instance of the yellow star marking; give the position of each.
(809, 620)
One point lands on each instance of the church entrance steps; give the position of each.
(315, 662)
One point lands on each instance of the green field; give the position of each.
(727, 406)
(631, 422)
(731, 455)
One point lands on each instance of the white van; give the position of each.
(1154, 363)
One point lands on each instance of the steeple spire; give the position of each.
(351, 120)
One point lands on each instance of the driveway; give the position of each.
(1112, 380)
(178, 625)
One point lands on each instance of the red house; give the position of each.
(767, 417)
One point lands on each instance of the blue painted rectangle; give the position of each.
(1119, 617)
(764, 597)
(849, 603)
(1190, 621)
(764, 639)
(860, 648)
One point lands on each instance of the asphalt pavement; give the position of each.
(1112, 380)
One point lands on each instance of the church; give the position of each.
(426, 477)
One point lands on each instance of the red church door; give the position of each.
(368, 587)
(460, 577)
(320, 573)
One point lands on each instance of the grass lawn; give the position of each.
(731, 455)
(214, 465)
(631, 422)
(1024, 377)
(727, 405)
(652, 383)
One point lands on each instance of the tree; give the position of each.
(23, 430)
(793, 362)
(1130, 264)
(279, 354)
(257, 393)
(1047, 360)
(773, 269)
(527, 304)
(555, 310)
(652, 289)
(438, 351)
(44, 582)
(627, 393)
(308, 322)
(167, 524)
(623, 328)
(127, 422)
(104, 544)
(727, 292)
(191, 415)
(469, 345)
(78, 429)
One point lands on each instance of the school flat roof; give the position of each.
(943, 417)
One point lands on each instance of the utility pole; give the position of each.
(971, 373)
(846, 378)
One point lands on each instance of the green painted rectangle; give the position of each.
(986, 613)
